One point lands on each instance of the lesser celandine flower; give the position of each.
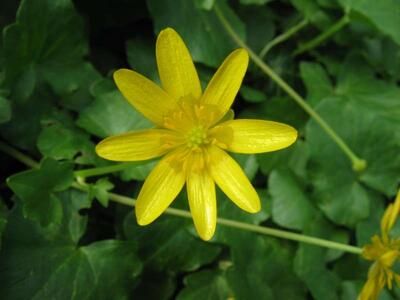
(384, 251)
(192, 135)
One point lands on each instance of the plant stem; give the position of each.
(357, 163)
(186, 214)
(102, 170)
(323, 36)
(282, 37)
(18, 155)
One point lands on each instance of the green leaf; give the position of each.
(102, 270)
(141, 57)
(99, 190)
(72, 83)
(59, 142)
(24, 127)
(310, 262)
(252, 95)
(256, 2)
(342, 195)
(291, 207)
(36, 190)
(39, 43)
(206, 284)
(138, 171)
(311, 11)
(201, 30)
(358, 82)
(167, 244)
(294, 158)
(316, 81)
(110, 114)
(3, 217)
(384, 14)
(5, 110)
(268, 274)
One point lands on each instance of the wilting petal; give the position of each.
(147, 97)
(254, 136)
(230, 177)
(159, 190)
(225, 84)
(202, 202)
(135, 146)
(175, 66)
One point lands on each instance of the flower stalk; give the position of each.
(283, 37)
(358, 164)
(315, 42)
(124, 200)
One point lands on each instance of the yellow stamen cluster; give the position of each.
(196, 137)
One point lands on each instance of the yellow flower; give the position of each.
(192, 134)
(384, 251)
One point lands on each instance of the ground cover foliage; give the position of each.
(57, 100)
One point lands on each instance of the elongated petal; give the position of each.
(230, 177)
(147, 97)
(175, 66)
(254, 136)
(202, 202)
(225, 84)
(135, 146)
(159, 190)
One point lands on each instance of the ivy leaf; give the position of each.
(110, 267)
(291, 207)
(110, 114)
(201, 30)
(36, 190)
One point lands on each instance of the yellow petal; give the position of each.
(159, 190)
(202, 202)
(147, 97)
(225, 84)
(230, 177)
(395, 211)
(175, 66)
(254, 136)
(135, 146)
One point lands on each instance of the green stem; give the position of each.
(282, 37)
(79, 185)
(323, 36)
(357, 163)
(18, 155)
(102, 170)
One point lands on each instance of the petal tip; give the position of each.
(206, 233)
(120, 74)
(141, 220)
(242, 53)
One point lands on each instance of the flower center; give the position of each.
(196, 137)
